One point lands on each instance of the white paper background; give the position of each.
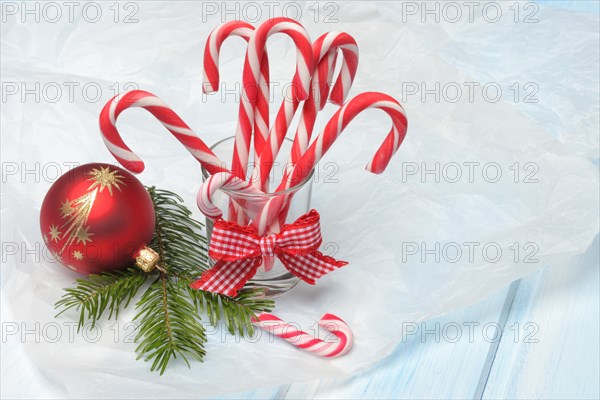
(372, 219)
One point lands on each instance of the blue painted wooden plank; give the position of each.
(443, 358)
(556, 352)
(487, 367)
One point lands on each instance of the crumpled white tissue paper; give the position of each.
(497, 177)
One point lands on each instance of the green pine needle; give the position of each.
(169, 311)
(168, 325)
(236, 313)
(109, 290)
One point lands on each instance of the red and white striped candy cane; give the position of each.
(301, 83)
(211, 74)
(304, 341)
(166, 116)
(346, 43)
(239, 191)
(227, 181)
(325, 50)
(324, 77)
(211, 81)
(321, 80)
(326, 44)
(330, 133)
(340, 121)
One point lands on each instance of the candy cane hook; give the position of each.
(330, 133)
(227, 181)
(301, 83)
(340, 121)
(306, 342)
(325, 49)
(210, 83)
(166, 116)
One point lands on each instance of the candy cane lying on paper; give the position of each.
(304, 341)
(325, 50)
(166, 116)
(301, 83)
(327, 137)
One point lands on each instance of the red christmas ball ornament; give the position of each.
(98, 217)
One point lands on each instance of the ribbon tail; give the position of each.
(227, 277)
(310, 267)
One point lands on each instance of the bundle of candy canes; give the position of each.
(252, 231)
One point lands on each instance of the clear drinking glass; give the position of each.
(273, 276)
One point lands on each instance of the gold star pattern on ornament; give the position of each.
(78, 255)
(54, 233)
(82, 207)
(105, 178)
(83, 235)
(65, 208)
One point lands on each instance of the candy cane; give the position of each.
(330, 133)
(321, 79)
(211, 84)
(324, 50)
(211, 75)
(301, 83)
(324, 77)
(346, 43)
(239, 190)
(227, 181)
(304, 341)
(338, 123)
(242, 193)
(325, 43)
(166, 116)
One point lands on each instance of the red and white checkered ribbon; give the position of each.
(239, 251)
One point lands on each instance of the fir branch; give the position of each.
(109, 290)
(178, 238)
(168, 325)
(169, 311)
(236, 312)
(178, 241)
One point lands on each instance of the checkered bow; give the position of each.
(239, 251)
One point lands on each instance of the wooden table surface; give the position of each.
(548, 348)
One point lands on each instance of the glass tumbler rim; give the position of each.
(293, 189)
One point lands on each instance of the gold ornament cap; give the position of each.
(147, 259)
